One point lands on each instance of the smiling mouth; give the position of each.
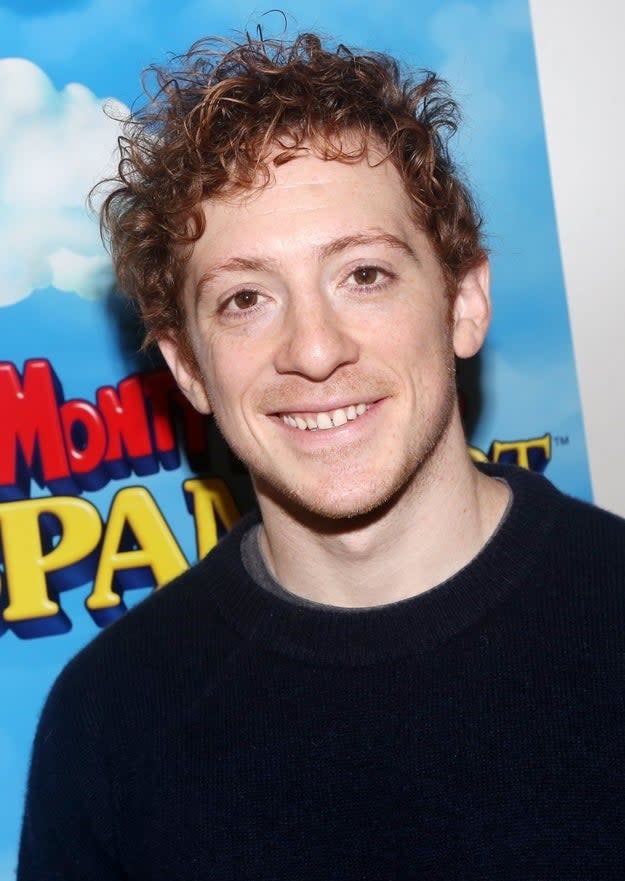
(324, 420)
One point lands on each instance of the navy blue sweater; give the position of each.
(220, 733)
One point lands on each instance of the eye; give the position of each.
(366, 275)
(243, 305)
(245, 300)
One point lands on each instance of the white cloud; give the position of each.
(54, 145)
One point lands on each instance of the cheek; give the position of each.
(230, 374)
(417, 338)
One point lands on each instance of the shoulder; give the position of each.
(113, 707)
(168, 643)
(575, 520)
(576, 548)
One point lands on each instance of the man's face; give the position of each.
(318, 317)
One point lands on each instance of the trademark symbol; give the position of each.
(561, 440)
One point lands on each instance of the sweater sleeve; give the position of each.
(68, 824)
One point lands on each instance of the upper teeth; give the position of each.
(329, 419)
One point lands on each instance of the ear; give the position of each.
(186, 375)
(471, 312)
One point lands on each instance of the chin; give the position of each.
(342, 489)
(308, 505)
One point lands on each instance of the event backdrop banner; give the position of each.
(109, 484)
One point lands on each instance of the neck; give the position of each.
(438, 523)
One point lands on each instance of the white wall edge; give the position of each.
(579, 48)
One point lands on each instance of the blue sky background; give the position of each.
(483, 48)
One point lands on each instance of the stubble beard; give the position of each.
(374, 497)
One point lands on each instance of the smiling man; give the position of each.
(400, 666)
(322, 338)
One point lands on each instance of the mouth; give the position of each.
(323, 420)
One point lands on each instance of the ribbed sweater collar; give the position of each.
(328, 635)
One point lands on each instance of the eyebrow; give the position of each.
(329, 249)
(341, 244)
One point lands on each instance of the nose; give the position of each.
(314, 339)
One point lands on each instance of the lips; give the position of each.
(322, 420)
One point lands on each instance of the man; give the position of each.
(401, 667)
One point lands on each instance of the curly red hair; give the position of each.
(223, 113)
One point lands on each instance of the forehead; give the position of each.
(308, 202)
